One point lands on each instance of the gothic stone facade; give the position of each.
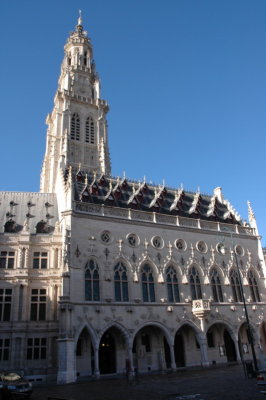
(102, 275)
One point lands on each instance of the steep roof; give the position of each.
(28, 211)
(150, 198)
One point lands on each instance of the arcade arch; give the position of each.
(151, 349)
(187, 346)
(221, 343)
(113, 351)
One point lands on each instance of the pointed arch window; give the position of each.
(75, 127)
(148, 292)
(121, 282)
(195, 285)
(236, 286)
(172, 285)
(92, 282)
(217, 292)
(253, 287)
(90, 132)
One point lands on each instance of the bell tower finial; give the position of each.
(79, 27)
(80, 18)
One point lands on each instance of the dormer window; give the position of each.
(89, 137)
(10, 226)
(42, 227)
(75, 127)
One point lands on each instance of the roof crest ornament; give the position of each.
(232, 210)
(109, 193)
(178, 195)
(195, 203)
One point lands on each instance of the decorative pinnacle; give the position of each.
(250, 211)
(80, 18)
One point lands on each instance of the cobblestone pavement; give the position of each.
(223, 383)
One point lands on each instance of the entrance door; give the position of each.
(107, 361)
(179, 351)
(229, 347)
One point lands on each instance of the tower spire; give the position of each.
(77, 127)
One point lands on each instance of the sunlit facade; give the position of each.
(103, 275)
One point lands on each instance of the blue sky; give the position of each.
(185, 80)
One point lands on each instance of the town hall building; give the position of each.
(102, 275)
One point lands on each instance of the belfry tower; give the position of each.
(77, 127)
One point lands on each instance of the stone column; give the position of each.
(130, 358)
(201, 308)
(96, 363)
(26, 261)
(172, 353)
(203, 350)
(235, 340)
(66, 360)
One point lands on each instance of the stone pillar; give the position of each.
(26, 260)
(20, 258)
(96, 363)
(66, 361)
(130, 358)
(203, 350)
(235, 340)
(172, 353)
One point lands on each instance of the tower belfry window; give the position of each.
(85, 58)
(89, 137)
(75, 127)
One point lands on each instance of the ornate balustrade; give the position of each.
(137, 215)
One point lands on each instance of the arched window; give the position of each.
(75, 127)
(89, 137)
(195, 285)
(85, 58)
(217, 292)
(253, 287)
(172, 285)
(121, 283)
(236, 286)
(148, 292)
(92, 283)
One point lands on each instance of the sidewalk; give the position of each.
(225, 383)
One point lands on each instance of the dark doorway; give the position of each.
(179, 351)
(167, 353)
(107, 361)
(229, 347)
